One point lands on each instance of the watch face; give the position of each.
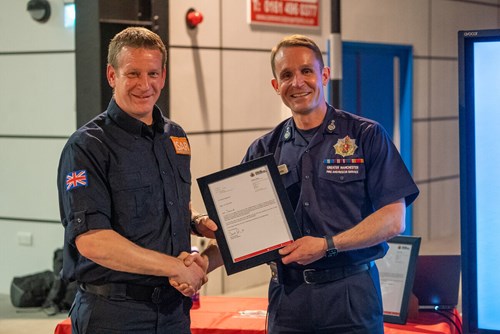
(331, 252)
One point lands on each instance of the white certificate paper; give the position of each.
(251, 208)
(397, 271)
(248, 208)
(393, 271)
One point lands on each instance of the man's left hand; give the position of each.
(304, 251)
(206, 227)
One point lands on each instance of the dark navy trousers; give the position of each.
(352, 305)
(92, 314)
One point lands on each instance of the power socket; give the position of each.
(25, 238)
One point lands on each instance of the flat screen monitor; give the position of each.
(479, 124)
(437, 281)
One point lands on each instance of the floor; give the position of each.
(26, 320)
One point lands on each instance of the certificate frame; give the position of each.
(400, 261)
(225, 237)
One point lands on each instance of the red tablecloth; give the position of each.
(229, 315)
(224, 315)
(428, 322)
(64, 327)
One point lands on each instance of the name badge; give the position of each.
(283, 169)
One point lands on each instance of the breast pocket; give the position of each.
(291, 182)
(342, 187)
(185, 183)
(290, 178)
(343, 173)
(184, 191)
(130, 194)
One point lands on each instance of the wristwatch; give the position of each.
(331, 250)
(194, 223)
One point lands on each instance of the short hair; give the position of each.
(135, 37)
(296, 41)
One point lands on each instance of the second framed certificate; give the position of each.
(250, 206)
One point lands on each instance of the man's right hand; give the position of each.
(189, 279)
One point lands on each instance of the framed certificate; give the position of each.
(397, 273)
(250, 206)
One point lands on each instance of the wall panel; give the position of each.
(421, 89)
(444, 92)
(448, 17)
(249, 101)
(208, 32)
(387, 21)
(205, 159)
(443, 146)
(444, 216)
(28, 175)
(28, 259)
(236, 145)
(195, 89)
(38, 94)
(20, 33)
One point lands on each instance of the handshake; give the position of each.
(192, 269)
(191, 273)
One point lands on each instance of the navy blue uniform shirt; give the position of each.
(117, 173)
(349, 169)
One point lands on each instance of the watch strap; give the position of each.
(194, 223)
(331, 250)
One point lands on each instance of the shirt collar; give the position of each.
(328, 127)
(132, 125)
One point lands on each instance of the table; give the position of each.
(64, 327)
(229, 315)
(428, 322)
(225, 315)
(217, 315)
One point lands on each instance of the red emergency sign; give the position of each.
(295, 13)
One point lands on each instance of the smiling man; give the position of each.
(124, 187)
(349, 188)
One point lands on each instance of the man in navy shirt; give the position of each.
(124, 193)
(349, 188)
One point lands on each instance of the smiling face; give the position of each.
(137, 81)
(300, 79)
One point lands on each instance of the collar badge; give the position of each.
(287, 134)
(330, 127)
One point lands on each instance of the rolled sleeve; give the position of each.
(84, 207)
(83, 222)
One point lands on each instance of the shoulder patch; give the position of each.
(76, 179)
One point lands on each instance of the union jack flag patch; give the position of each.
(76, 179)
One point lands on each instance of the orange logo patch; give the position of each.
(181, 145)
